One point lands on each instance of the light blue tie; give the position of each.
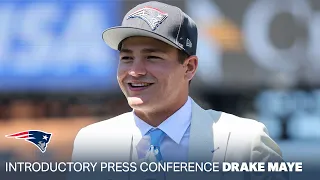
(154, 154)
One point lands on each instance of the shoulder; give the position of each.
(226, 120)
(234, 122)
(109, 125)
(244, 128)
(251, 131)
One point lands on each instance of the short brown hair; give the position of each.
(182, 56)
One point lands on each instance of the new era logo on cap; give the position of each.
(189, 43)
(152, 16)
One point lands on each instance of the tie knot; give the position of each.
(156, 137)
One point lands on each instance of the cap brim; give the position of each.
(113, 36)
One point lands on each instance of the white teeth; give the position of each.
(140, 84)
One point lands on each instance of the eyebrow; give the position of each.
(147, 50)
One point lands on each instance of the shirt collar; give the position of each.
(180, 118)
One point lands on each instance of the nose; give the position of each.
(137, 69)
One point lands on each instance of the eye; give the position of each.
(153, 57)
(126, 58)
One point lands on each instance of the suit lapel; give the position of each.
(130, 137)
(123, 147)
(221, 139)
(201, 135)
(135, 138)
(208, 140)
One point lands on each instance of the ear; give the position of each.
(191, 65)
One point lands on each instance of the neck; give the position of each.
(155, 117)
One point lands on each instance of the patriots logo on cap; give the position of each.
(38, 138)
(152, 16)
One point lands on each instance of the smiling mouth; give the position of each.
(139, 85)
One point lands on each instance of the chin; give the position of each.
(137, 102)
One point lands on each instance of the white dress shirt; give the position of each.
(174, 146)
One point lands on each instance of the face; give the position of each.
(150, 75)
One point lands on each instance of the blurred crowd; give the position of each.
(61, 106)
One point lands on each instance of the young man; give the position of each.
(157, 61)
